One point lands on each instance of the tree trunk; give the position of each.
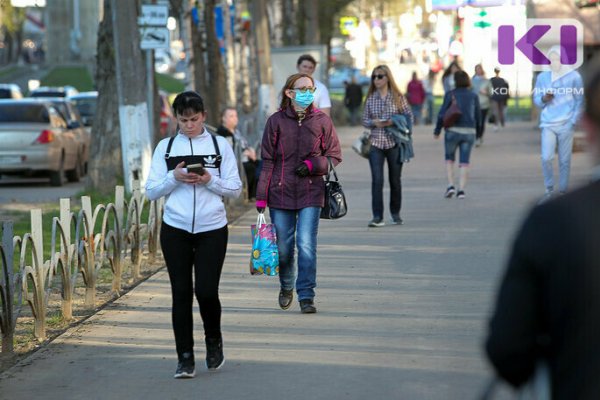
(312, 33)
(198, 60)
(290, 36)
(215, 98)
(106, 164)
(180, 9)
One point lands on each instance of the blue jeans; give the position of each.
(377, 157)
(462, 141)
(551, 137)
(297, 228)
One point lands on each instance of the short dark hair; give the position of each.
(306, 57)
(189, 102)
(227, 108)
(592, 93)
(461, 79)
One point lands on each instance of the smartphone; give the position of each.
(196, 169)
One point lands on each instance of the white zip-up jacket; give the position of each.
(194, 207)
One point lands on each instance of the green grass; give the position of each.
(169, 84)
(8, 71)
(78, 77)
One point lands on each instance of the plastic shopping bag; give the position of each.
(265, 255)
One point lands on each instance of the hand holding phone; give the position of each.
(196, 169)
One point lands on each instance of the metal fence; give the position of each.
(81, 245)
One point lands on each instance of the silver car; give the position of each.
(36, 139)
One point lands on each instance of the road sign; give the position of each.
(154, 37)
(154, 14)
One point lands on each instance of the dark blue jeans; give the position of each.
(377, 157)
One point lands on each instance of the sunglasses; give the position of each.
(305, 89)
(378, 76)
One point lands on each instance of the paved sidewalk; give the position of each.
(402, 309)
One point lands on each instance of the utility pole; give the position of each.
(266, 94)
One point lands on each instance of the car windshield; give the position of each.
(48, 94)
(23, 113)
(86, 107)
(5, 94)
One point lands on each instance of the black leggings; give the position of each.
(205, 253)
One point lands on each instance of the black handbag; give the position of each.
(335, 202)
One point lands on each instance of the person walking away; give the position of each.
(229, 130)
(383, 101)
(415, 94)
(353, 99)
(428, 84)
(559, 96)
(482, 88)
(297, 142)
(462, 134)
(307, 64)
(548, 302)
(499, 98)
(448, 76)
(194, 232)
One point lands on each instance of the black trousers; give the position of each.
(194, 263)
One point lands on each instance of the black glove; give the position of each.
(302, 170)
(260, 209)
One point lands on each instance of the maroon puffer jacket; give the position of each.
(313, 139)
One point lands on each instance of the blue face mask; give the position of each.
(304, 99)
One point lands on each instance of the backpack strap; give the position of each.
(216, 145)
(167, 155)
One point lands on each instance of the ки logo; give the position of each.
(543, 34)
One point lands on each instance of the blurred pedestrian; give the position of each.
(548, 302)
(353, 99)
(499, 98)
(428, 84)
(462, 134)
(415, 94)
(560, 101)
(194, 232)
(383, 101)
(296, 144)
(482, 88)
(448, 76)
(307, 64)
(229, 130)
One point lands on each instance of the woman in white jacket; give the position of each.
(194, 231)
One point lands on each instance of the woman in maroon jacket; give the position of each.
(296, 143)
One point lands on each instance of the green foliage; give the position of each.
(169, 84)
(78, 77)
(12, 18)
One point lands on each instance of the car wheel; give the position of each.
(74, 175)
(56, 177)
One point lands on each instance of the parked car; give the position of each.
(54, 91)
(86, 103)
(168, 122)
(36, 139)
(10, 91)
(337, 77)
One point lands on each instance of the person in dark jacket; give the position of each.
(353, 99)
(297, 142)
(462, 134)
(549, 299)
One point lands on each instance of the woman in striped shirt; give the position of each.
(384, 100)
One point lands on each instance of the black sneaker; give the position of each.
(307, 306)
(285, 298)
(451, 191)
(396, 220)
(214, 353)
(461, 194)
(376, 223)
(186, 367)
